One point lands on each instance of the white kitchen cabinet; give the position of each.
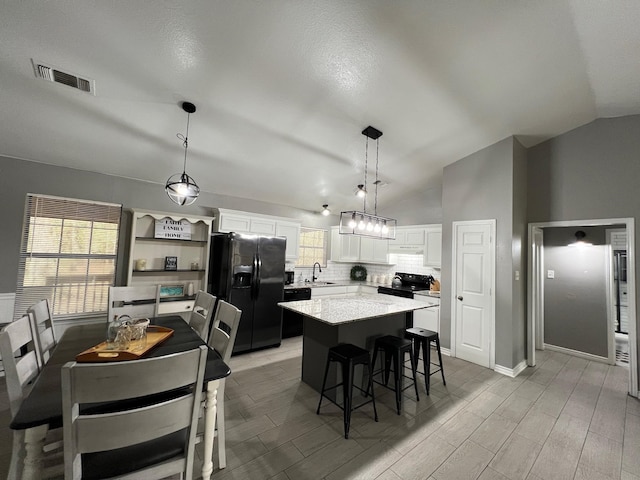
(428, 318)
(408, 240)
(291, 231)
(149, 247)
(368, 289)
(245, 222)
(331, 290)
(373, 250)
(344, 248)
(354, 248)
(432, 246)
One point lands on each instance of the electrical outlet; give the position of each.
(551, 274)
(517, 275)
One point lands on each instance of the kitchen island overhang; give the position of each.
(350, 318)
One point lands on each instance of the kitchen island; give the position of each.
(352, 318)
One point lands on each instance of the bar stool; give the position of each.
(421, 337)
(348, 356)
(394, 349)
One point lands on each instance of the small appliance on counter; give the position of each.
(289, 277)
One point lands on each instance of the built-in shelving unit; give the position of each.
(191, 251)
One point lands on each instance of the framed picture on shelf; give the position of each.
(171, 263)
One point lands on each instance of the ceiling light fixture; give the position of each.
(362, 223)
(325, 210)
(181, 188)
(580, 242)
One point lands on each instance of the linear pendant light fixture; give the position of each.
(181, 188)
(355, 222)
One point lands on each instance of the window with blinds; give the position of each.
(68, 255)
(312, 248)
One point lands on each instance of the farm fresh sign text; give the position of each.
(176, 229)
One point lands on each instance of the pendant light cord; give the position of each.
(366, 161)
(185, 144)
(375, 207)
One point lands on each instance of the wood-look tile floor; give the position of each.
(565, 418)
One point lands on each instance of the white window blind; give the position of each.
(312, 248)
(68, 255)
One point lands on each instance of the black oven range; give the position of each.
(410, 283)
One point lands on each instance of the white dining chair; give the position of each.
(130, 439)
(21, 367)
(43, 330)
(135, 301)
(222, 338)
(200, 317)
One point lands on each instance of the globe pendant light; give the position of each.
(181, 188)
(362, 223)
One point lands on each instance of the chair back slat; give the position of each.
(21, 365)
(98, 433)
(137, 302)
(43, 330)
(117, 381)
(200, 318)
(223, 339)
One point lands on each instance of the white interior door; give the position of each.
(473, 295)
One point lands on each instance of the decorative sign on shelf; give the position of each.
(171, 263)
(176, 229)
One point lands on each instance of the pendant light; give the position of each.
(181, 188)
(325, 210)
(354, 222)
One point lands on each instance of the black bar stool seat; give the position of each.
(348, 356)
(394, 349)
(422, 337)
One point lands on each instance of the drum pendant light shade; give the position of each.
(180, 187)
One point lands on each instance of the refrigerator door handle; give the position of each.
(258, 273)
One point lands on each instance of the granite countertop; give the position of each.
(337, 310)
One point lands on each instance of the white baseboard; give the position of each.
(445, 351)
(576, 353)
(7, 302)
(511, 372)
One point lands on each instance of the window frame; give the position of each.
(72, 293)
(323, 258)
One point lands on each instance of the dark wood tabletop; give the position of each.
(43, 405)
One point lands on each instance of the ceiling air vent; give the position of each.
(54, 74)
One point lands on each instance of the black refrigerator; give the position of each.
(248, 272)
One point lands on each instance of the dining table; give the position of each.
(41, 410)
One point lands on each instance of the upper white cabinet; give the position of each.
(245, 222)
(156, 237)
(419, 239)
(432, 246)
(408, 240)
(373, 250)
(353, 248)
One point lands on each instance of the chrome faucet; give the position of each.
(313, 275)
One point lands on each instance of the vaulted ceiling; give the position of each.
(284, 88)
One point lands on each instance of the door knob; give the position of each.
(460, 297)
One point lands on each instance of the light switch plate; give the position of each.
(551, 274)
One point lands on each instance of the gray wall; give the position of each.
(479, 187)
(588, 173)
(575, 300)
(18, 177)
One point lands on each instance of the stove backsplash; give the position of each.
(339, 272)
